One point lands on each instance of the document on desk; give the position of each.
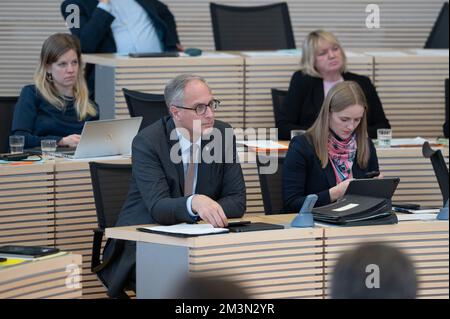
(185, 230)
(263, 144)
(410, 217)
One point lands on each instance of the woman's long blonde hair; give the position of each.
(341, 96)
(53, 48)
(311, 47)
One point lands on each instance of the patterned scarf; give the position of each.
(342, 154)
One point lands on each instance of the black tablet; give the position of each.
(27, 251)
(171, 54)
(253, 227)
(373, 187)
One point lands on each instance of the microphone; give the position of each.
(304, 217)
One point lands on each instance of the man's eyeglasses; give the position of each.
(200, 109)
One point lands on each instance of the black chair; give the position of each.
(439, 167)
(447, 111)
(277, 102)
(110, 184)
(151, 107)
(252, 28)
(271, 184)
(438, 38)
(7, 104)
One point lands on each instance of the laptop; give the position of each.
(104, 138)
(373, 187)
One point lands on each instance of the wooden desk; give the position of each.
(41, 279)
(26, 24)
(426, 243)
(52, 204)
(223, 72)
(27, 204)
(418, 183)
(275, 264)
(288, 263)
(410, 84)
(264, 72)
(75, 216)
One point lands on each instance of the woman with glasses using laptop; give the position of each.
(58, 104)
(323, 64)
(332, 152)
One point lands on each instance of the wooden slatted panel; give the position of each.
(223, 72)
(403, 23)
(24, 25)
(418, 183)
(26, 204)
(41, 279)
(264, 73)
(426, 243)
(75, 217)
(286, 264)
(411, 88)
(253, 189)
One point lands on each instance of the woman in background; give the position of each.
(323, 65)
(57, 105)
(332, 152)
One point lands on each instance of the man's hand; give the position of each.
(104, 1)
(70, 140)
(338, 191)
(209, 210)
(180, 48)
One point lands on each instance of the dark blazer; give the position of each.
(305, 98)
(156, 190)
(95, 32)
(37, 119)
(303, 174)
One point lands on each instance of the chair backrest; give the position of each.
(271, 184)
(151, 107)
(265, 27)
(447, 111)
(439, 167)
(7, 104)
(438, 38)
(110, 184)
(277, 102)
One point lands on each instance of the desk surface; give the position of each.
(287, 263)
(46, 278)
(207, 58)
(131, 233)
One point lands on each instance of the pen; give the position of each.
(401, 210)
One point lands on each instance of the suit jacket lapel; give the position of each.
(170, 126)
(204, 169)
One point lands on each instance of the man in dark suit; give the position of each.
(124, 26)
(185, 168)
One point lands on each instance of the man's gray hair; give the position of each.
(174, 91)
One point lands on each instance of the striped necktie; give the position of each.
(189, 178)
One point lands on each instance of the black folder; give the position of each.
(355, 210)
